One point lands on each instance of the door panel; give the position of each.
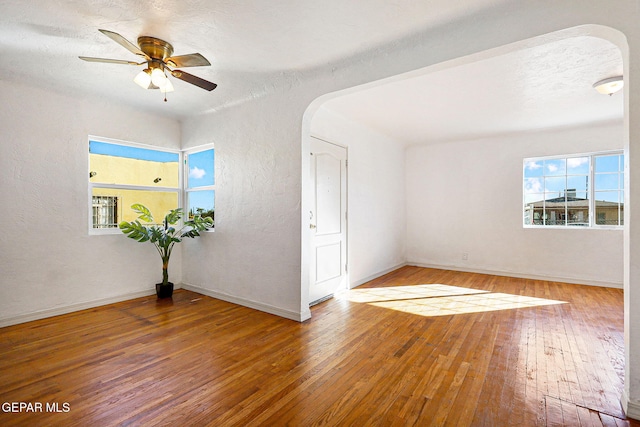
(328, 220)
(328, 262)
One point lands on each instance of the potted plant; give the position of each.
(163, 236)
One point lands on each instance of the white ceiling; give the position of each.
(542, 87)
(251, 43)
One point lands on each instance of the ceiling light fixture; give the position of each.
(609, 86)
(143, 79)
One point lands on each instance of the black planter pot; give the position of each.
(164, 291)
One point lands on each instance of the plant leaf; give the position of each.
(134, 230)
(145, 214)
(173, 216)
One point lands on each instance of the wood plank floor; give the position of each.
(415, 347)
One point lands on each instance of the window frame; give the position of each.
(591, 190)
(92, 185)
(185, 178)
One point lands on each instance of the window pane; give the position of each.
(534, 198)
(578, 166)
(608, 181)
(533, 185)
(555, 184)
(555, 167)
(201, 202)
(533, 168)
(577, 183)
(200, 169)
(158, 202)
(120, 164)
(607, 196)
(608, 163)
(554, 216)
(607, 213)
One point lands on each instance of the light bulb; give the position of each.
(158, 77)
(143, 79)
(168, 87)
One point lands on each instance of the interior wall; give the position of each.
(253, 257)
(376, 196)
(465, 197)
(49, 262)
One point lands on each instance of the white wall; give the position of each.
(466, 197)
(253, 257)
(49, 263)
(376, 196)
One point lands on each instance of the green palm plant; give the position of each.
(163, 236)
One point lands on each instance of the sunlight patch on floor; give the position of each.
(442, 300)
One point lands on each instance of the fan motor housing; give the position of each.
(155, 48)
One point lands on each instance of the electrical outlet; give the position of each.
(465, 256)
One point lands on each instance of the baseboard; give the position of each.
(521, 275)
(631, 409)
(375, 275)
(277, 311)
(37, 315)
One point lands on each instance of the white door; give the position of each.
(328, 220)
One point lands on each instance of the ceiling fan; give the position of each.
(157, 56)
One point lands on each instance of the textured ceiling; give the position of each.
(252, 43)
(249, 43)
(542, 87)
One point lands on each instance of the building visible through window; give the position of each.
(121, 174)
(574, 191)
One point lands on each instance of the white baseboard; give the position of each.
(375, 276)
(37, 315)
(277, 311)
(521, 275)
(631, 409)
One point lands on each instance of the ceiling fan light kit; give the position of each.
(157, 57)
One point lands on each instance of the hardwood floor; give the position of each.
(415, 347)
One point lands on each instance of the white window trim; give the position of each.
(592, 222)
(91, 186)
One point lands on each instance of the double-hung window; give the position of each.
(121, 174)
(585, 190)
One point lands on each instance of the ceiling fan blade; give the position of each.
(110, 61)
(190, 78)
(123, 42)
(191, 60)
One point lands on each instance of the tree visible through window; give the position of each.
(200, 183)
(574, 191)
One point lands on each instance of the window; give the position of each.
(200, 182)
(123, 174)
(584, 190)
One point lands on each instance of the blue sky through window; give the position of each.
(201, 199)
(116, 150)
(201, 169)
